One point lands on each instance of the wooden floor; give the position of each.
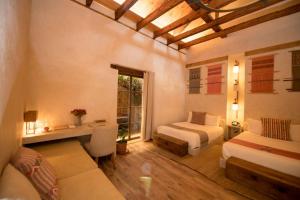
(169, 179)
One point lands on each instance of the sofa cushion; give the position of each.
(92, 185)
(36, 168)
(68, 158)
(14, 185)
(64, 147)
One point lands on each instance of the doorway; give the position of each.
(130, 104)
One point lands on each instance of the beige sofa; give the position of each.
(79, 178)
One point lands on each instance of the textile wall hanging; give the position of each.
(295, 71)
(214, 79)
(194, 81)
(262, 76)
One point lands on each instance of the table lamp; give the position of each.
(30, 118)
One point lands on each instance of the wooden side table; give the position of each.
(233, 131)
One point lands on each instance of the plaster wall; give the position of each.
(14, 26)
(71, 49)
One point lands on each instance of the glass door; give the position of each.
(129, 114)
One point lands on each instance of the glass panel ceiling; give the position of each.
(145, 7)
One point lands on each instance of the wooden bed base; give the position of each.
(272, 183)
(178, 146)
(171, 144)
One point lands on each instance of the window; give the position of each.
(262, 76)
(214, 79)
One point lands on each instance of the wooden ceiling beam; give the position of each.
(195, 5)
(131, 15)
(165, 7)
(231, 16)
(88, 3)
(208, 19)
(274, 15)
(124, 8)
(191, 17)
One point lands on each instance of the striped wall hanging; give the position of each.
(296, 70)
(194, 81)
(214, 79)
(262, 76)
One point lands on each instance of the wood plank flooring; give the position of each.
(170, 180)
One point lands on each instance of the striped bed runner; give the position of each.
(268, 149)
(202, 134)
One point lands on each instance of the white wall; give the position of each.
(71, 49)
(14, 25)
(282, 30)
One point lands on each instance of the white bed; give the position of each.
(214, 133)
(273, 161)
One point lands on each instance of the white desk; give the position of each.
(84, 130)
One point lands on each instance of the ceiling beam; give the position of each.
(124, 8)
(207, 18)
(88, 3)
(130, 15)
(231, 16)
(195, 5)
(274, 15)
(163, 8)
(191, 17)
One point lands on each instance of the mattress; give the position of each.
(280, 163)
(192, 138)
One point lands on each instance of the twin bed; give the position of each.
(270, 166)
(198, 136)
(279, 155)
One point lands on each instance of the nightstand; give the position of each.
(233, 131)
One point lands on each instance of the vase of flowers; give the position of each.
(78, 113)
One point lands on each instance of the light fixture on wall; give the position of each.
(30, 118)
(236, 68)
(235, 105)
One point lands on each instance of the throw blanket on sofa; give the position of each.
(268, 149)
(202, 134)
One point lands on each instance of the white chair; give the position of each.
(103, 143)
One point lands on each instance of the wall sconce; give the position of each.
(30, 118)
(236, 68)
(235, 105)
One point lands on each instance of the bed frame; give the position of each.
(270, 182)
(174, 144)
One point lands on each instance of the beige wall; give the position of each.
(14, 24)
(284, 104)
(71, 52)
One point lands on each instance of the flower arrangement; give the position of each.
(78, 112)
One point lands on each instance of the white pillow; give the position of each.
(211, 120)
(14, 185)
(255, 126)
(190, 117)
(295, 132)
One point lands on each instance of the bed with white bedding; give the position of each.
(197, 136)
(279, 155)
